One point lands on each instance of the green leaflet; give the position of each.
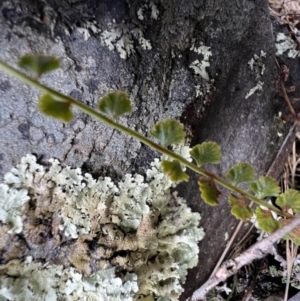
(289, 200)
(115, 104)
(265, 186)
(209, 192)
(207, 152)
(294, 235)
(174, 171)
(168, 132)
(266, 221)
(240, 173)
(38, 64)
(54, 108)
(239, 208)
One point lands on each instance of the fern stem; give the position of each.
(92, 112)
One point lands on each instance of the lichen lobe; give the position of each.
(82, 227)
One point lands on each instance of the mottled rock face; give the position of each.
(176, 59)
(101, 49)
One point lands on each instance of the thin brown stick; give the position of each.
(230, 267)
(228, 246)
(242, 242)
(287, 141)
(291, 254)
(289, 269)
(288, 100)
(291, 248)
(286, 97)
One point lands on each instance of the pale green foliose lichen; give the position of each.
(257, 68)
(30, 281)
(11, 203)
(294, 276)
(284, 43)
(140, 218)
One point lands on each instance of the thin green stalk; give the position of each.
(92, 112)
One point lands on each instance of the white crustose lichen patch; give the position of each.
(199, 67)
(11, 203)
(156, 231)
(258, 87)
(122, 39)
(257, 68)
(284, 43)
(154, 12)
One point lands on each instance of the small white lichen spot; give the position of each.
(286, 43)
(86, 26)
(251, 64)
(125, 47)
(200, 68)
(138, 34)
(85, 33)
(140, 14)
(11, 203)
(145, 44)
(154, 10)
(256, 64)
(263, 68)
(110, 37)
(199, 91)
(202, 49)
(258, 69)
(122, 39)
(263, 54)
(258, 87)
(224, 288)
(93, 27)
(154, 227)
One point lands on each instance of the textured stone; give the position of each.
(159, 80)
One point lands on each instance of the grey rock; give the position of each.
(159, 81)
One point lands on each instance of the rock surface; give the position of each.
(176, 59)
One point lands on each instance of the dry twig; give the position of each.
(271, 169)
(230, 267)
(289, 182)
(285, 93)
